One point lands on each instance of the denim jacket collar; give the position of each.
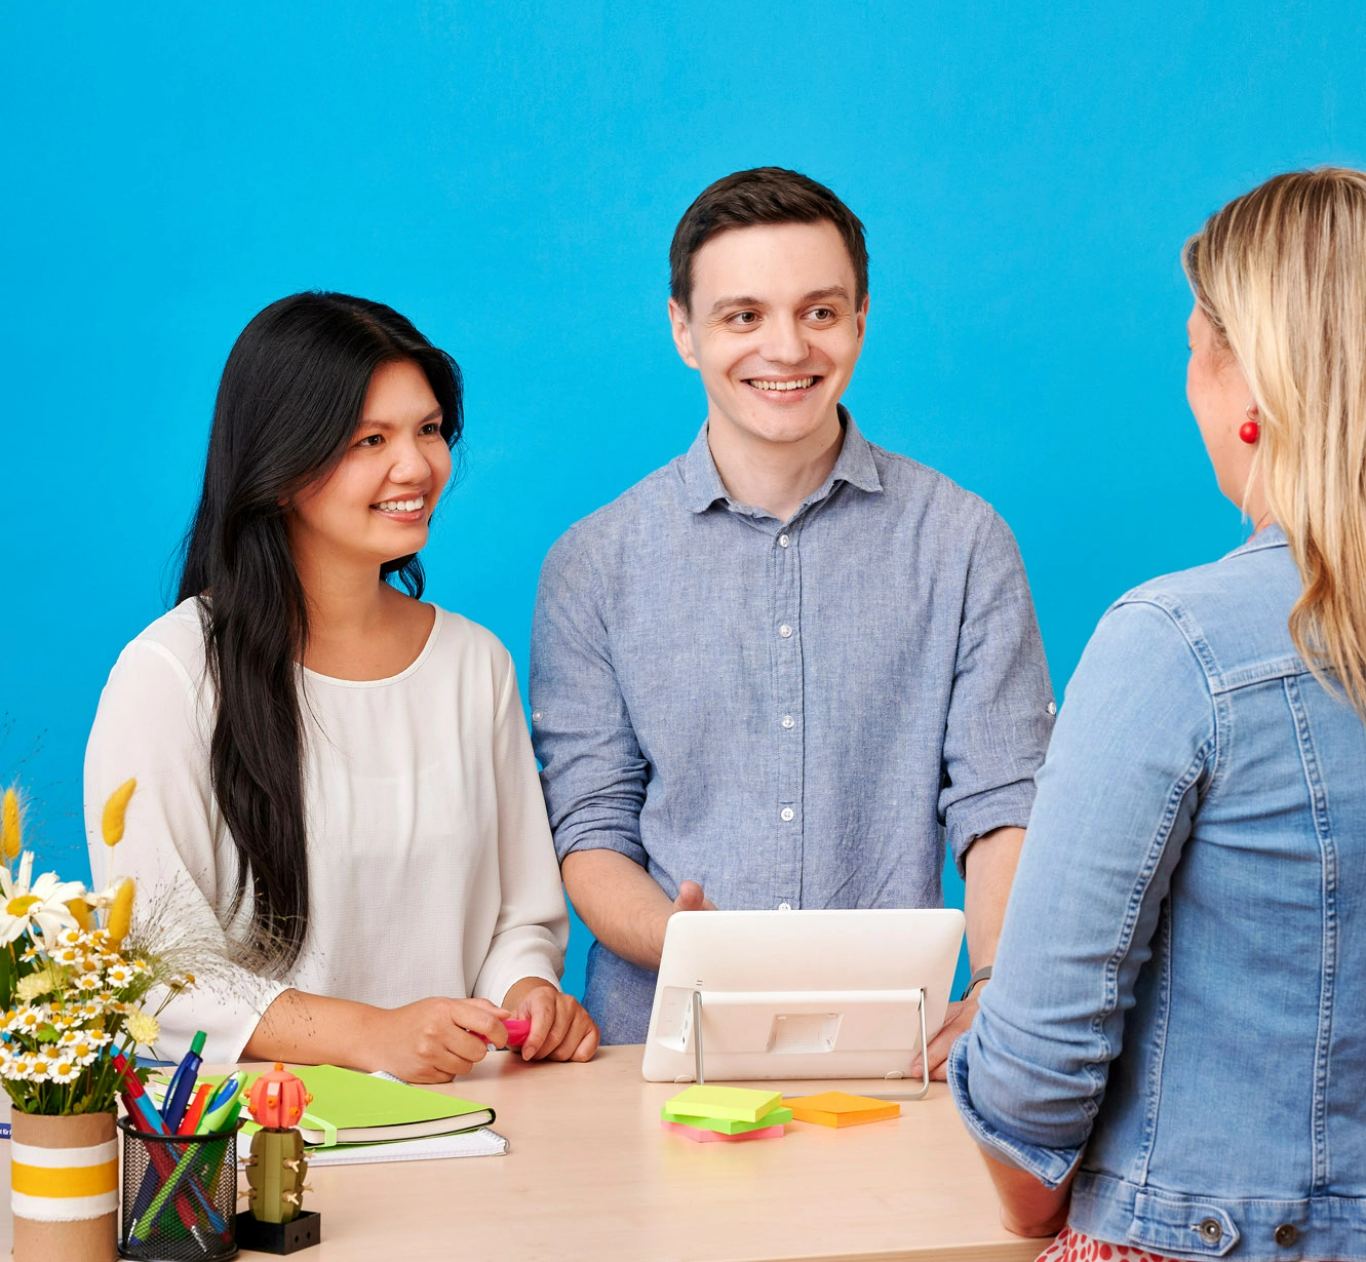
(703, 486)
(1271, 536)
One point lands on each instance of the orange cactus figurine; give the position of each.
(277, 1099)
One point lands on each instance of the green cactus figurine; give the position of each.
(275, 1174)
(276, 1167)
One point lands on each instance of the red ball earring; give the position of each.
(1249, 431)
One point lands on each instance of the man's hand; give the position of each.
(957, 1018)
(560, 1028)
(624, 905)
(691, 898)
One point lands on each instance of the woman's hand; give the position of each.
(435, 1040)
(560, 1028)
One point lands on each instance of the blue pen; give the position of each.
(172, 1111)
(182, 1084)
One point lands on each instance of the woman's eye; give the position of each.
(432, 427)
(371, 440)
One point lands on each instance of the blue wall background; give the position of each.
(509, 176)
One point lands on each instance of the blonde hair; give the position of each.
(1281, 274)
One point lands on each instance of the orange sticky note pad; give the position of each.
(839, 1108)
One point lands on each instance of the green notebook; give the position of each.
(354, 1108)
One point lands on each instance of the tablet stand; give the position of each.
(917, 994)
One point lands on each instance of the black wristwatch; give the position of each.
(980, 975)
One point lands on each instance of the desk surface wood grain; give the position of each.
(593, 1175)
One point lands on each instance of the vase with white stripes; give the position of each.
(64, 1187)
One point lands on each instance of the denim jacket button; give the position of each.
(1211, 1231)
(1286, 1235)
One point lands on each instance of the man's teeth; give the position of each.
(402, 506)
(800, 384)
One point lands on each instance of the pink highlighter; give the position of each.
(517, 1031)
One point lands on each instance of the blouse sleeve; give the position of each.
(1117, 796)
(152, 724)
(532, 930)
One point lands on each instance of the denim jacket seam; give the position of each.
(1156, 848)
(1321, 1160)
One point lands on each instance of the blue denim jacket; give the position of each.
(1178, 999)
(797, 712)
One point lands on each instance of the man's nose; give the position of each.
(786, 342)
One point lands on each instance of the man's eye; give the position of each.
(822, 313)
(745, 318)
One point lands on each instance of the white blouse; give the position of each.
(431, 869)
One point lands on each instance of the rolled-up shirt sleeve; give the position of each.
(592, 770)
(999, 719)
(151, 726)
(1116, 799)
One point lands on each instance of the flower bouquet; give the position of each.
(73, 983)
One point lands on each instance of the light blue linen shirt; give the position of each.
(792, 713)
(1177, 999)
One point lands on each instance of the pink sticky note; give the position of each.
(700, 1136)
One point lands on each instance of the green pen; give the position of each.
(221, 1106)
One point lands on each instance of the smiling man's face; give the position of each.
(774, 330)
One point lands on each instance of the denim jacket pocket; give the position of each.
(1181, 1224)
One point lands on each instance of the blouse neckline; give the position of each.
(388, 679)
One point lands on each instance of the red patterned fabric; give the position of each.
(1072, 1246)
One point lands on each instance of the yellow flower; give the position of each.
(111, 826)
(80, 911)
(38, 983)
(11, 826)
(121, 913)
(143, 1027)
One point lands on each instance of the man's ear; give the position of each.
(861, 318)
(678, 324)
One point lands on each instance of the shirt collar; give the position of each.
(1270, 536)
(854, 465)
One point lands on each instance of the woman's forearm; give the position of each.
(1027, 1207)
(308, 1029)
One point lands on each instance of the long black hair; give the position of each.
(288, 403)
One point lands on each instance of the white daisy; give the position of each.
(41, 903)
(19, 1067)
(28, 1019)
(64, 1070)
(119, 975)
(89, 982)
(40, 1067)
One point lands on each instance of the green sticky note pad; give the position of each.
(726, 1125)
(735, 1104)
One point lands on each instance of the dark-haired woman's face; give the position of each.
(375, 506)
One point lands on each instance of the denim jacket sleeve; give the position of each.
(1131, 755)
(592, 770)
(998, 721)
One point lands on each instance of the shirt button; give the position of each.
(535, 716)
(1285, 1235)
(787, 814)
(788, 907)
(789, 722)
(1051, 707)
(785, 631)
(783, 541)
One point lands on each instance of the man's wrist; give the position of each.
(983, 974)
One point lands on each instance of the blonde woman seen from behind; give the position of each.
(1174, 1067)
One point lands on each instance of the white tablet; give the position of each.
(799, 994)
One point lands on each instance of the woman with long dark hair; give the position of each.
(333, 776)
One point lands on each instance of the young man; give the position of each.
(784, 669)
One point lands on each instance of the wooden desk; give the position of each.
(592, 1175)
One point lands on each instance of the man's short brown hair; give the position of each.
(765, 195)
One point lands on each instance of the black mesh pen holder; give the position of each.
(179, 1196)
